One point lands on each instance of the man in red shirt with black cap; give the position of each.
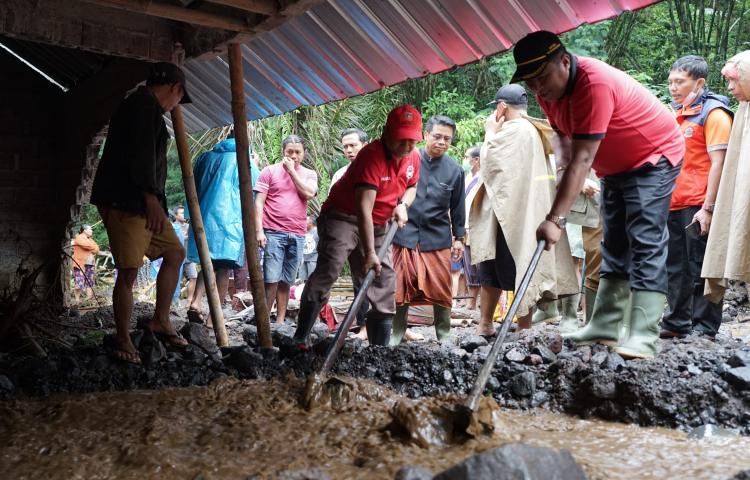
(379, 186)
(607, 121)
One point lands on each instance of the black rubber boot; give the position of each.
(308, 315)
(379, 330)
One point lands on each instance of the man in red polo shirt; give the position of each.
(607, 121)
(379, 186)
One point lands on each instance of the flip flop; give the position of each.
(126, 356)
(171, 339)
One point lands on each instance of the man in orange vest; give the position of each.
(705, 122)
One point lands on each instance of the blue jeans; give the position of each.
(282, 256)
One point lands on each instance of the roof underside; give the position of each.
(345, 48)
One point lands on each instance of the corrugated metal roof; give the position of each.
(344, 48)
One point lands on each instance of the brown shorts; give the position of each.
(129, 240)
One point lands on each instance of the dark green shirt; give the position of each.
(135, 155)
(438, 212)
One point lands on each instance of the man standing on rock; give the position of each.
(129, 192)
(433, 235)
(518, 185)
(705, 122)
(607, 120)
(377, 188)
(281, 195)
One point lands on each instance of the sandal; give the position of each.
(127, 356)
(171, 339)
(196, 316)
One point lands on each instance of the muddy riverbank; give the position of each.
(693, 382)
(256, 429)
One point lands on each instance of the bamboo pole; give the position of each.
(196, 220)
(262, 318)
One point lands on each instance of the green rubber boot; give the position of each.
(646, 311)
(590, 295)
(611, 307)
(442, 321)
(569, 319)
(399, 325)
(546, 311)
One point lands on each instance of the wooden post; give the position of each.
(196, 221)
(262, 318)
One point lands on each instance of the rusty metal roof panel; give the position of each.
(343, 48)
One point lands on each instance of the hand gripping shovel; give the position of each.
(464, 412)
(315, 381)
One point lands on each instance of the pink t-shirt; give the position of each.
(285, 210)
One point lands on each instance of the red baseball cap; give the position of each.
(404, 123)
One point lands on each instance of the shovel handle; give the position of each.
(351, 314)
(484, 372)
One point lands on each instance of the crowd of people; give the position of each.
(640, 206)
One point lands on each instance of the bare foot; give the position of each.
(413, 336)
(486, 329)
(362, 334)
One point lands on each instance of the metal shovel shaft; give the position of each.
(351, 314)
(484, 372)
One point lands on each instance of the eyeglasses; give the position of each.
(437, 137)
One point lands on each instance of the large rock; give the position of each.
(739, 377)
(198, 334)
(516, 461)
(523, 384)
(6, 384)
(411, 472)
(152, 350)
(741, 358)
(472, 342)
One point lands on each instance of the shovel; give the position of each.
(463, 413)
(315, 381)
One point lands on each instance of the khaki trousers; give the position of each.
(339, 241)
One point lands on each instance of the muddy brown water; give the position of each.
(233, 429)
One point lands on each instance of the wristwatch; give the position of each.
(708, 208)
(458, 239)
(401, 202)
(557, 220)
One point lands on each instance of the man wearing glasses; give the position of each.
(434, 234)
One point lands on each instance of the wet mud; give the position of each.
(258, 429)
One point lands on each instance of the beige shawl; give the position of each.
(517, 191)
(728, 250)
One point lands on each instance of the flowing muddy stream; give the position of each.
(234, 429)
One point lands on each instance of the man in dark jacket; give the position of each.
(434, 234)
(129, 192)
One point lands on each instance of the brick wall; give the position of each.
(49, 146)
(28, 145)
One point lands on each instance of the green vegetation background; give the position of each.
(643, 43)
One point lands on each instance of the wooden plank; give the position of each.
(180, 14)
(264, 7)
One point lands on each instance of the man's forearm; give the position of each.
(259, 215)
(366, 230)
(714, 176)
(305, 190)
(409, 195)
(570, 186)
